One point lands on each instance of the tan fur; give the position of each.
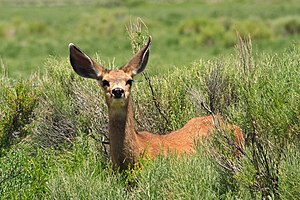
(126, 144)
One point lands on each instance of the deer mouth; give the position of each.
(118, 97)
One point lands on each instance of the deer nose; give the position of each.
(118, 92)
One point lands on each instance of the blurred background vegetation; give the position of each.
(182, 30)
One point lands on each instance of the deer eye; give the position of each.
(105, 83)
(129, 82)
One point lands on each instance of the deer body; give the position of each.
(126, 144)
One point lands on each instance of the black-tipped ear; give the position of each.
(138, 62)
(83, 65)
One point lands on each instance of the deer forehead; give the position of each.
(117, 76)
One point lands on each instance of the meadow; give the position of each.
(240, 59)
(184, 31)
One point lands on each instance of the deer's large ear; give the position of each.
(84, 65)
(138, 62)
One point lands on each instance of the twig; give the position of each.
(103, 142)
(156, 103)
(217, 126)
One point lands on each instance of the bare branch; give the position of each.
(155, 101)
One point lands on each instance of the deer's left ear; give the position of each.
(138, 62)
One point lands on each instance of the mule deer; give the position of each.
(126, 144)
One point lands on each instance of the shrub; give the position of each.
(256, 28)
(69, 107)
(192, 177)
(269, 95)
(288, 25)
(16, 110)
(207, 32)
(37, 28)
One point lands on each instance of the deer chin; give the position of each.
(117, 102)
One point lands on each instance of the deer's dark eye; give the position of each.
(105, 83)
(129, 82)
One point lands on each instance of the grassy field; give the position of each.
(52, 124)
(182, 32)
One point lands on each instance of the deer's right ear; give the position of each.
(84, 65)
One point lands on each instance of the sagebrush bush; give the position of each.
(289, 186)
(68, 108)
(256, 28)
(289, 25)
(206, 32)
(18, 102)
(269, 106)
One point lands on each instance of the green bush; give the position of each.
(289, 25)
(68, 107)
(192, 177)
(18, 102)
(206, 32)
(172, 177)
(269, 109)
(256, 28)
(222, 32)
(80, 174)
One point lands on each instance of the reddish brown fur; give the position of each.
(126, 144)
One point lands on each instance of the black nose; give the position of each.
(118, 92)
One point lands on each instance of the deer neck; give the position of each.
(123, 137)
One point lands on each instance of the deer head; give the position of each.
(115, 83)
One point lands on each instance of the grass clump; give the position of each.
(102, 22)
(24, 173)
(80, 174)
(176, 178)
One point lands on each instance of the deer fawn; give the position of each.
(126, 144)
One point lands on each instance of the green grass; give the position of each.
(29, 34)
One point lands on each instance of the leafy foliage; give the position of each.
(16, 111)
